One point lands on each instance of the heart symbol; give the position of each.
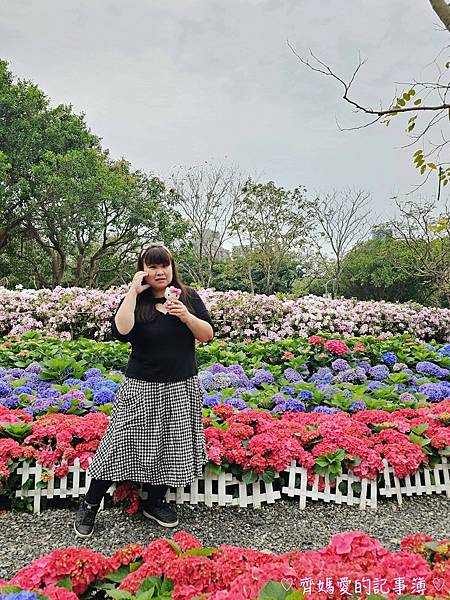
(438, 583)
(287, 586)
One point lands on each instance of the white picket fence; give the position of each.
(225, 489)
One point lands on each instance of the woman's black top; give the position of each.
(163, 349)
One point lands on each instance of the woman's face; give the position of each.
(158, 276)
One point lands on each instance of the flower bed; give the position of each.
(181, 569)
(249, 445)
(76, 312)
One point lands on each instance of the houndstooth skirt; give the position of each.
(155, 434)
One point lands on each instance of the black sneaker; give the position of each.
(160, 512)
(84, 519)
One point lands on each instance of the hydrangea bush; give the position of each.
(180, 568)
(75, 312)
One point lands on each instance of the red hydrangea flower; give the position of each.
(337, 347)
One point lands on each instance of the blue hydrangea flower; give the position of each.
(444, 350)
(23, 389)
(360, 374)
(322, 375)
(328, 410)
(291, 405)
(206, 380)
(22, 595)
(340, 364)
(406, 397)
(261, 376)
(389, 358)
(72, 381)
(213, 400)
(235, 403)
(10, 402)
(435, 391)
(292, 375)
(5, 389)
(379, 372)
(93, 372)
(278, 397)
(288, 389)
(16, 372)
(106, 384)
(49, 393)
(305, 395)
(103, 397)
(431, 369)
(347, 394)
(303, 370)
(41, 406)
(34, 368)
(348, 376)
(67, 405)
(374, 385)
(356, 406)
(364, 364)
(67, 372)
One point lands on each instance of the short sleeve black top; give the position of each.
(163, 349)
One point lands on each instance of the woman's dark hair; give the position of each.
(155, 255)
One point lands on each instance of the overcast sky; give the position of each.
(178, 82)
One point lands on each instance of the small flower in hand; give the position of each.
(178, 309)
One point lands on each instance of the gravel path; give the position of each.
(278, 527)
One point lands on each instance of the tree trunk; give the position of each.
(442, 9)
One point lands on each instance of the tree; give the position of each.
(380, 269)
(426, 232)
(424, 118)
(273, 224)
(207, 197)
(70, 215)
(342, 220)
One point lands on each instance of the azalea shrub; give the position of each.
(71, 313)
(352, 565)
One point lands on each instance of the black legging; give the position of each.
(98, 489)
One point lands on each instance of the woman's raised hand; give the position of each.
(136, 282)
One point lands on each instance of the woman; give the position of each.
(155, 435)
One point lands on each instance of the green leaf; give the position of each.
(65, 583)
(207, 551)
(149, 583)
(250, 476)
(118, 575)
(273, 590)
(119, 594)
(174, 545)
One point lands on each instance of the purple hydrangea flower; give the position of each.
(93, 372)
(292, 375)
(206, 380)
(431, 369)
(278, 397)
(291, 405)
(261, 376)
(288, 389)
(212, 400)
(328, 410)
(236, 403)
(379, 372)
(356, 406)
(364, 364)
(72, 381)
(5, 389)
(340, 364)
(322, 375)
(16, 372)
(34, 368)
(22, 595)
(215, 368)
(222, 380)
(406, 397)
(49, 393)
(65, 406)
(435, 391)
